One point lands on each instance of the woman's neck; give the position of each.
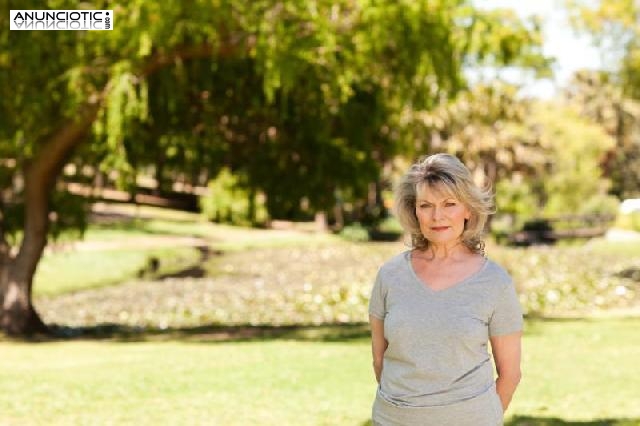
(446, 251)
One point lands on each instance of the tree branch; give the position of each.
(225, 49)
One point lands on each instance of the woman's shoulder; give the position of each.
(395, 264)
(498, 273)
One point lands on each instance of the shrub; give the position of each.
(601, 204)
(355, 233)
(228, 201)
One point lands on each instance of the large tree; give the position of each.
(303, 97)
(611, 96)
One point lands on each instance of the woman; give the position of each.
(434, 308)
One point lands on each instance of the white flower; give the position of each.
(621, 290)
(553, 296)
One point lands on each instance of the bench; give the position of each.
(548, 230)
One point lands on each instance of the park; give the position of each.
(195, 202)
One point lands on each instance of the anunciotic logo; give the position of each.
(61, 20)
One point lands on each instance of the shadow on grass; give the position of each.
(555, 421)
(196, 270)
(211, 333)
(341, 332)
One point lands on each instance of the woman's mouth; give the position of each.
(439, 228)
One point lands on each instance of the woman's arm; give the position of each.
(506, 354)
(378, 344)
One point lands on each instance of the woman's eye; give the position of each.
(450, 204)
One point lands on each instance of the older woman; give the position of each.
(435, 307)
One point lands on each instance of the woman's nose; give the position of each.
(436, 212)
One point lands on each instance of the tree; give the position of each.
(298, 95)
(576, 147)
(597, 98)
(612, 97)
(542, 157)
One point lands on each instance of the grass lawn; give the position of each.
(576, 372)
(131, 220)
(579, 370)
(115, 251)
(63, 272)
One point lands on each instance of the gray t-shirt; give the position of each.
(437, 353)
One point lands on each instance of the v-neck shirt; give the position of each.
(437, 350)
(456, 283)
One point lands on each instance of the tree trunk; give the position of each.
(18, 316)
(159, 172)
(251, 213)
(4, 257)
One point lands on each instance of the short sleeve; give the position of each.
(377, 300)
(507, 315)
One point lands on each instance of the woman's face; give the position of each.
(440, 214)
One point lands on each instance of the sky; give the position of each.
(571, 51)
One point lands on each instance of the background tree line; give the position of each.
(297, 106)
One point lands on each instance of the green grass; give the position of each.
(131, 220)
(64, 272)
(142, 211)
(266, 383)
(581, 370)
(325, 282)
(619, 248)
(129, 239)
(575, 373)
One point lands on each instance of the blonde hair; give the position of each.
(447, 173)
